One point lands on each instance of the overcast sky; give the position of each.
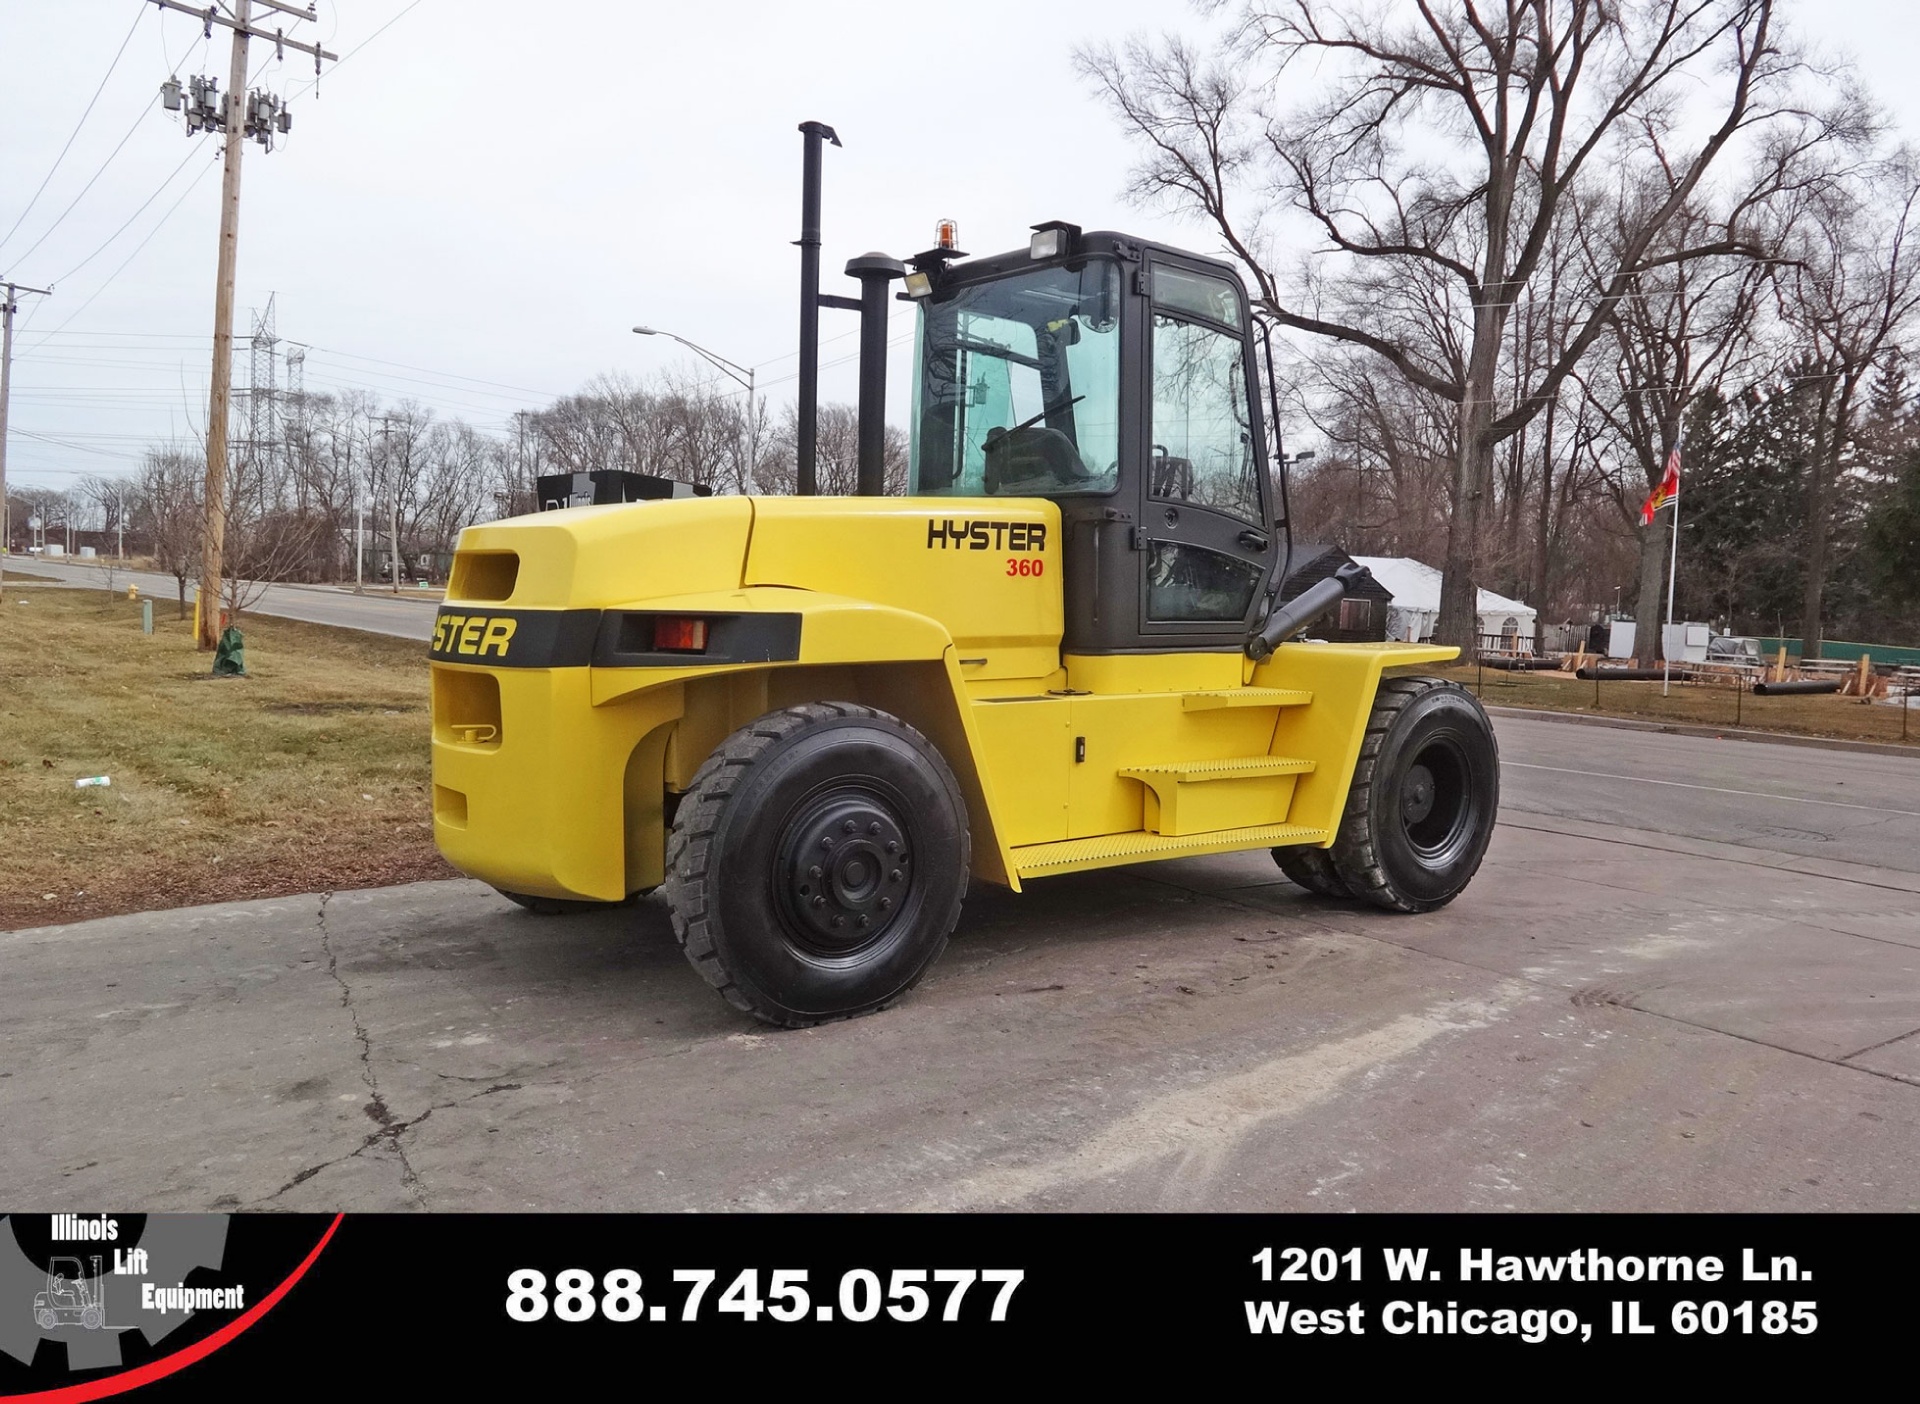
(479, 204)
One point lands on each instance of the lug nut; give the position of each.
(819, 902)
(892, 847)
(894, 875)
(886, 904)
(839, 922)
(848, 827)
(814, 872)
(826, 843)
(873, 830)
(865, 920)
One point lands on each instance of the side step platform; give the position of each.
(1245, 697)
(1197, 797)
(1111, 850)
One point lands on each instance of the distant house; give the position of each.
(1504, 623)
(1362, 616)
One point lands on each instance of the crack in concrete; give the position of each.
(391, 1132)
(390, 1126)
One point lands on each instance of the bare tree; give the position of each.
(1686, 328)
(166, 510)
(1439, 157)
(1851, 293)
(836, 455)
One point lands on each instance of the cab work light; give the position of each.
(674, 633)
(1054, 239)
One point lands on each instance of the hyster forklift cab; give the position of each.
(1118, 382)
(812, 721)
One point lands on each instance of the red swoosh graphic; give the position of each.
(180, 1359)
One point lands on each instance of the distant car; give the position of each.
(1730, 648)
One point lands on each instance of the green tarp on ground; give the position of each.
(230, 655)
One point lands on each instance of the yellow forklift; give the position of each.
(811, 721)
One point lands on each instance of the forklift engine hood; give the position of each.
(770, 580)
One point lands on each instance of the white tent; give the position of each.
(1416, 603)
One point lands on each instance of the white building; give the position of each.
(1416, 604)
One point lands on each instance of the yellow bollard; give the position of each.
(133, 592)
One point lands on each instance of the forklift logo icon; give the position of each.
(70, 1298)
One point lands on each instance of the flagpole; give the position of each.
(1673, 569)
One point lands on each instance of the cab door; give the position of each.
(1205, 535)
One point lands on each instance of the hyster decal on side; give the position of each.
(475, 635)
(987, 536)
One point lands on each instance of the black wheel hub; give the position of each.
(1435, 811)
(1416, 799)
(845, 870)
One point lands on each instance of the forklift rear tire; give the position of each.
(1313, 869)
(1421, 808)
(45, 1319)
(818, 862)
(562, 906)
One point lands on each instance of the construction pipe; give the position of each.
(1795, 689)
(1630, 675)
(1524, 665)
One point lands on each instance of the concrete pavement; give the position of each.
(374, 612)
(1653, 997)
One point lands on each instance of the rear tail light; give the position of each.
(678, 634)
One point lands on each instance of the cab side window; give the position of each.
(1202, 431)
(1202, 446)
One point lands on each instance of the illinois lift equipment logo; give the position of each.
(84, 1279)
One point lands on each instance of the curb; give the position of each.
(1717, 733)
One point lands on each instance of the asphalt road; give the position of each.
(1687, 978)
(373, 611)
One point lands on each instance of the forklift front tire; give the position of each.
(1421, 808)
(817, 864)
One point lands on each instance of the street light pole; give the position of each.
(741, 375)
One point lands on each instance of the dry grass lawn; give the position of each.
(312, 774)
(1844, 718)
(309, 775)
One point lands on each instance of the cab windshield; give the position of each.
(1018, 392)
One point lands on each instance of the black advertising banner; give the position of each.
(93, 1305)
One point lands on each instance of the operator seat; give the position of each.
(1031, 458)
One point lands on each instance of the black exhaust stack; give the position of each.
(1304, 608)
(876, 272)
(809, 407)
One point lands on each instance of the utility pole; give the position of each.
(7, 308)
(393, 516)
(240, 116)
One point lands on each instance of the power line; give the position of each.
(129, 220)
(296, 94)
(158, 226)
(47, 233)
(76, 130)
(425, 370)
